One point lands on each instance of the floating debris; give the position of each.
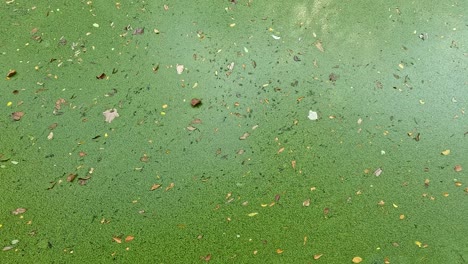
(312, 115)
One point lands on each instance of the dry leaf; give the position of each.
(293, 164)
(117, 239)
(317, 256)
(19, 211)
(11, 73)
(179, 68)
(71, 177)
(129, 238)
(110, 114)
(155, 186)
(445, 152)
(458, 168)
(101, 76)
(319, 46)
(378, 171)
(306, 203)
(17, 115)
(170, 186)
(279, 251)
(357, 260)
(195, 102)
(244, 136)
(280, 150)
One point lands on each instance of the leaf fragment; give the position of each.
(357, 260)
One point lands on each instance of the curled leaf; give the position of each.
(155, 186)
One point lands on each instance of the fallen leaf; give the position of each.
(317, 256)
(19, 211)
(318, 45)
(458, 168)
(279, 251)
(277, 197)
(110, 114)
(191, 128)
(17, 115)
(253, 214)
(170, 186)
(101, 76)
(71, 177)
(179, 68)
(206, 258)
(155, 186)
(11, 73)
(293, 164)
(445, 152)
(306, 203)
(117, 239)
(378, 171)
(59, 103)
(129, 238)
(138, 31)
(244, 136)
(280, 150)
(195, 102)
(357, 260)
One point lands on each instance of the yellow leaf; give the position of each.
(253, 214)
(418, 243)
(445, 152)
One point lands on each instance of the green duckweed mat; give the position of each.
(243, 175)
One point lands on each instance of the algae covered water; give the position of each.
(233, 132)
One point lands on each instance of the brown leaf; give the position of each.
(195, 102)
(170, 186)
(206, 258)
(17, 115)
(71, 177)
(293, 164)
(19, 211)
(102, 76)
(53, 126)
(129, 238)
(458, 168)
(155, 186)
(144, 158)
(11, 73)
